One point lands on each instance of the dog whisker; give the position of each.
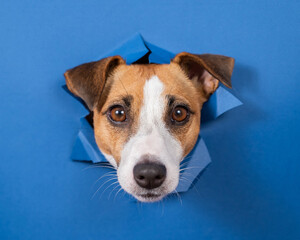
(98, 166)
(105, 175)
(182, 174)
(102, 163)
(182, 169)
(179, 197)
(185, 162)
(105, 165)
(163, 206)
(185, 179)
(116, 182)
(111, 169)
(113, 190)
(118, 192)
(189, 181)
(103, 185)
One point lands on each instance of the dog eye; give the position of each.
(117, 114)
(179, 114)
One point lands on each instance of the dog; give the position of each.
(147, 116)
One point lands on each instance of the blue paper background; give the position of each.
(251, 189)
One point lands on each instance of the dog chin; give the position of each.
(149, 197)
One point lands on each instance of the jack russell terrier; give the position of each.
(147, 116)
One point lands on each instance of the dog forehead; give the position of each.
(131, 79)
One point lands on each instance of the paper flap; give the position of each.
(220, 102)
(194, 164)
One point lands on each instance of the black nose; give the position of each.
(149, 175)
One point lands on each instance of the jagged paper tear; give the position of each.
(134, 50)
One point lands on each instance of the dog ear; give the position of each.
(206, 70)
(87, 80)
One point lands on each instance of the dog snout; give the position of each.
(149, 175)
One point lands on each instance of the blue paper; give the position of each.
(131, 50)
(195, 163)
(220, 102)
(136, 47)
(159, 55)
(86, 149)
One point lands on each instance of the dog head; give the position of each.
(147, 116)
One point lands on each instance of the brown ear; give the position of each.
(87, 80)
(206, 69)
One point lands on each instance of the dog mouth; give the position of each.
(149, 197)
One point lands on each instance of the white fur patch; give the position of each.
(110, 159)
(152, 138)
